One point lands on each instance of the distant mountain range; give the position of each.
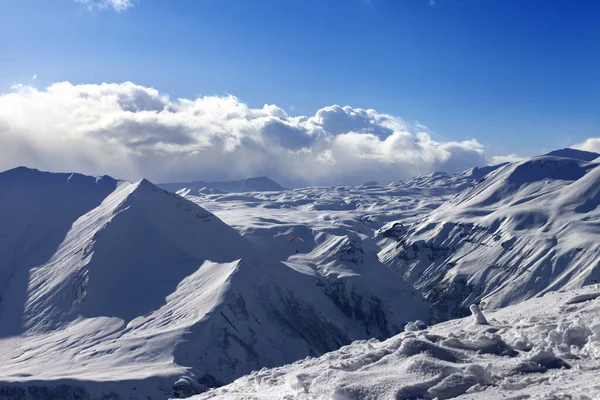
(259, 184)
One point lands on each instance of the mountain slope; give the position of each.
(37, 210)
(141, 287)
(547, 348)
(528, 228)
(441, 183)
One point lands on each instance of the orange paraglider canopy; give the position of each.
(297, 237)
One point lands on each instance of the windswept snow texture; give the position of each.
(115, 287)
(260, 184)
(525, 229)
(545, 348)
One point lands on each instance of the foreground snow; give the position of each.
(546, 347)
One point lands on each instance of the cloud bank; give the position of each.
(117, 5)
(591, 144)
(495, 160)
(131, 131)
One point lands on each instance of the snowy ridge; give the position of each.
(574, 153)
(111, 277)
(542, 348)
(150, 291)
(439, 183)
(526, 229)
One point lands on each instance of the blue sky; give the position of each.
(519, 76)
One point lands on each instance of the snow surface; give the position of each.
(544, 348)
(127, 288)
(574, 153)
(268, 220)
(523, 230)
(111, 288)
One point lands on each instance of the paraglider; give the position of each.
(297, 238)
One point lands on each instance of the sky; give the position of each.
(305, 91)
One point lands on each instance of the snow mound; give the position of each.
(584, 297)
(452, 360)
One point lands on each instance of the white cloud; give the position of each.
(495, 160)
(591, 144)
(117, 5)
(130, 131)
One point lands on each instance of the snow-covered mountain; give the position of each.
(545, 348)
(122, 287)
(430, 230)
(523, 230)
(441, 183)
(126, 288)
(258, 184)
(574, 153)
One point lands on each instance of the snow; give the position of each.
(259, 184)
(139, 291)
(115, 288)
(525, 229)
(478, 316)
(574, 153)
(268, 219)
(455, 359)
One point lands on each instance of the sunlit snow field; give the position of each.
(112, 288)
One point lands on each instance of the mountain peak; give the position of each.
(145, 184)
(574, 153)
(21, 169)
(548, 167)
